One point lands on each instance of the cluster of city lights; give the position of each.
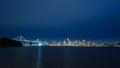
(67, 42)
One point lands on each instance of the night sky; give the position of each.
(56, 19)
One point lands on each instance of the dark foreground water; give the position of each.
(59, 57)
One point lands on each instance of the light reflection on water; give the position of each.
(39, 58)
(59, 57)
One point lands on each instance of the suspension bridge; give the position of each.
(26, 42)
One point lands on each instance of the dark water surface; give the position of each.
(59, 57)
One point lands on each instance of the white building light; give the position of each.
(39, 44)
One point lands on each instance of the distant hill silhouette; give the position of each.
(6, 42)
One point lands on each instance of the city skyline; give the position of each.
(66, 42)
